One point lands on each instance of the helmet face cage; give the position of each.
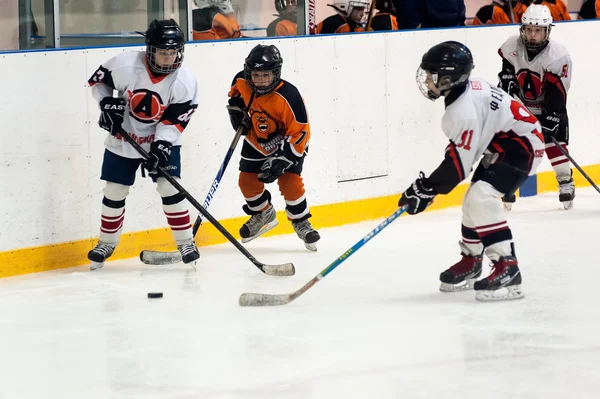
(164, 35)
(284, 9)
(538, 16)
(263, 58)
(223, 5)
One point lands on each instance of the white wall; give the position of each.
(367, 115)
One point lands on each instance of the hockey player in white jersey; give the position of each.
(156, 99)
(484, 124)
(537, 71)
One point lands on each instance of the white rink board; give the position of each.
(367, 116)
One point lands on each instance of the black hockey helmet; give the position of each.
(263, 58)
(164, 35)
(287, 9)
(449, 63)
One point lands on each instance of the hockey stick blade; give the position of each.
(285, 269)
(255, 299)
(150, 257)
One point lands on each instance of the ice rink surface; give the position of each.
(377, 327)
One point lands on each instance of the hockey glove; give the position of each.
(418, 196)
(160, 152)
(112, 111)
(550, 123)
(238, 115)
(275, 167)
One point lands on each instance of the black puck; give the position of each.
(155, 295)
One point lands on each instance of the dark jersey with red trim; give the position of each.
(544, 80)
(279, 119)
(159, 107)
(483, 120)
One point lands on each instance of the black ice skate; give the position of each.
(461, 275)
(306, 233)
(189, 252)
(566, 192)
(258, 224)
(504, 282)
(99, 254)
(508, 200)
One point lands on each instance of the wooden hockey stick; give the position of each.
(151, 257)
(570, 158)
(286, 269)
(252, 299)
(371, 12)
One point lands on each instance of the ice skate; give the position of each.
(462, 275)
(306, 233)
(99, 254)
(566, 192)
(258, 224)
(502, 284)
(189, 252)
(508, 200)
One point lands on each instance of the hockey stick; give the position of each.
(251, 299)
(286, 269)
(566, 154)
(370, 17)
(150, 257)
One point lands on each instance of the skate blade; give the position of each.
(464, 286)
(311, 247)
(96, 265)
(508, 205)
(501, 294)
(263, 230)
(567, 205)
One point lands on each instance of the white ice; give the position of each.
(376, 327)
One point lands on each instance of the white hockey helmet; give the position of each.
(345, 8)
(539, 16)
(223, 5)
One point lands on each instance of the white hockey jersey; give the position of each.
(552, 65)
(485, 120)
(159, 107)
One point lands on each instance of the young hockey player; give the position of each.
(277, 134)
(484, 124)
(538, 71)
(156, 99)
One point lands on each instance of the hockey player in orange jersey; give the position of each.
(351, 17)
(277, 134)
(214, 20)
(285, 24)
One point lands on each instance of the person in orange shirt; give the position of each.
(558, 9)
(590, 9)
(285, 24)
(214, 20)
(385, 19)
(497, 13)
(351, 17)
(273, 117)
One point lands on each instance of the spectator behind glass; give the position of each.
(385, 19)
(285, 24)
(497, 13)
(590, 9)
(430, 13)
(351, 17)
(214, 20)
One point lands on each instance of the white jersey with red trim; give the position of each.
(159, 106)
(485, 120)
(552, 64)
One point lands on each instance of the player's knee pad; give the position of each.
(164, 188)
(249, 184)
(481, 199)
(115, 191)
(291, 186)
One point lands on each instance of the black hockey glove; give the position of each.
(238, 115)
(112, 111)
(275, 167)
(417, 197)
(550, 123)
(160, 152)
